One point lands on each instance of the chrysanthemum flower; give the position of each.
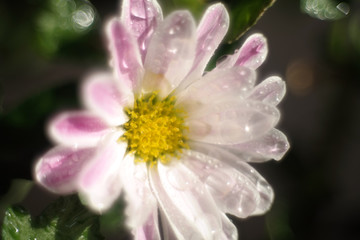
(174, 140)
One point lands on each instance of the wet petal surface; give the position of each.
(271, 91)
(171, 50)
(218, 86)
(238, 188)
(232, 122)
(272, 145)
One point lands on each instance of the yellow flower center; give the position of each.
(155, 130)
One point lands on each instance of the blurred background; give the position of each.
(47, 46)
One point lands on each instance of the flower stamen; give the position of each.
(155, 130)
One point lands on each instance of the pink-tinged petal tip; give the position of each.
(252, 53)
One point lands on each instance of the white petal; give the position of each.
(77, 128)
(270, 91)
(140, 201)
(58, 169)
(229, 229)
(219, 152)
(218, 86)
(240, 191)
(100, 184)
(187, 205)
(231, 122)
(102, 94)
(272, 145)
(172, 49)
(141, 17)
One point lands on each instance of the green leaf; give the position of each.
(112, 222)
(66, 218)
(196, 7)
(113, 219)
(277, 221)
(18, 190)
(244, 14)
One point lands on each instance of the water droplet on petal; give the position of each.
(215, 182)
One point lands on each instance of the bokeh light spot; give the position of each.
(325, 9)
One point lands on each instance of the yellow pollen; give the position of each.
(155, 130)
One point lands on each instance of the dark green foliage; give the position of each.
(66, 218)
(244, 14)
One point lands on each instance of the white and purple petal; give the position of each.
(99, 184)
(126, 59)
(77, 128)
(210, 32)
(141, 17)
(105, 96)
(58, 169)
